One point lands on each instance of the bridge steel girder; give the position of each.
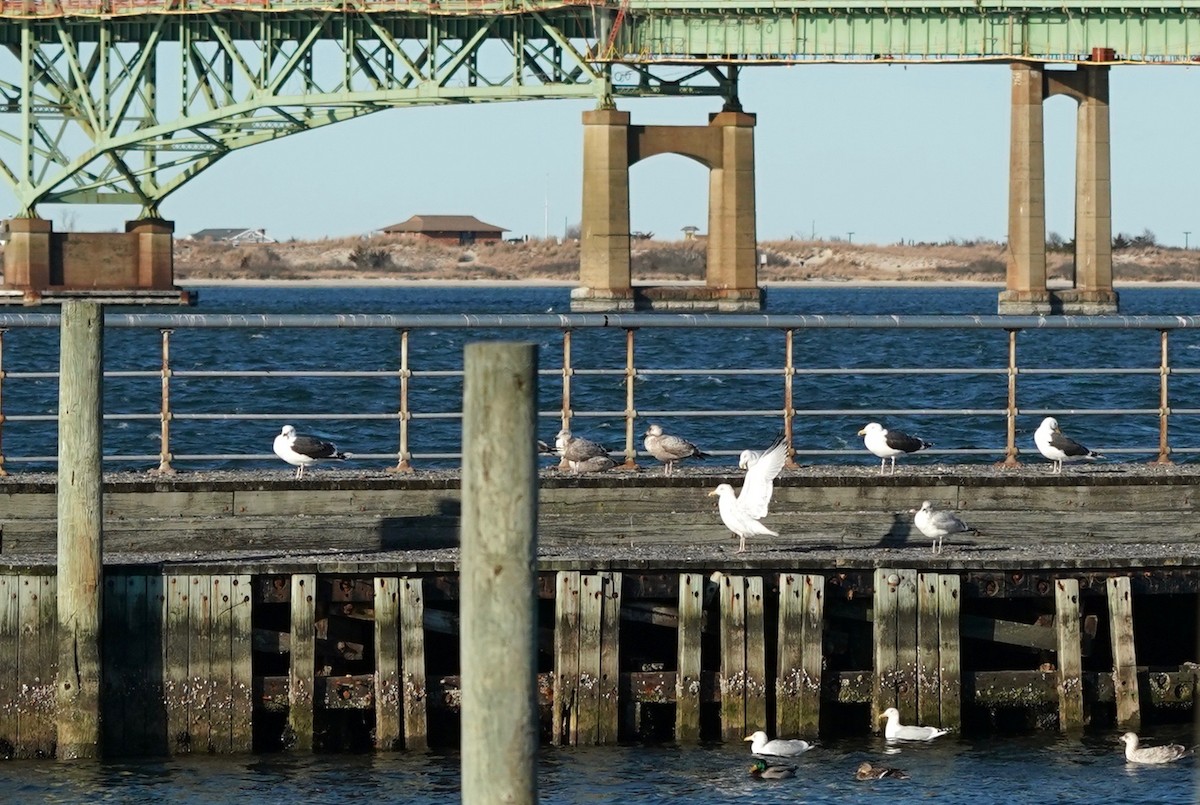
(126, 109)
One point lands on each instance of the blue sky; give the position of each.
(886, 152)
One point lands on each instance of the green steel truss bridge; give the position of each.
(123, 101)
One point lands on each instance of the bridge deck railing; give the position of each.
(622, 401)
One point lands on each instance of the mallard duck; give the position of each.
(1167, 753)
(765, 771)
(895, 731)
(868, 772)
(780, 747)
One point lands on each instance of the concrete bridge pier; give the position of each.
(726, 147)
(1027, 291)
(40, 263)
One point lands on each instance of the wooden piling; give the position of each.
(303, 662)
(241, 664)
(733, 658)
(220, 711)
(610, 669)
(499, 556)
(412, 653)
(80, 528)
(591, 601)
(564, 728)
(687, 675)
(39, 659)
(1120, 627)
(10, 631)
(884, 635)
(799, 652)
(177, 683)
(950, 649)
(1070, 656)
(756, 657)
(388, 731)
(929, 664)
(200, 661)
(906, 646)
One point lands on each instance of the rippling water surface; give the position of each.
(598, 398)
(1014, 771)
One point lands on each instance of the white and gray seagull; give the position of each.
(301, 451)
(741, 512)
(1167, 753)
(1052, 444)
(937, 525)
(668, 449)
(895, 731)
(887, 444)
(581, 455)
(780, 747)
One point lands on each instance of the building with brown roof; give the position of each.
(451, 230)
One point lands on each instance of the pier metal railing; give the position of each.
(565, 370)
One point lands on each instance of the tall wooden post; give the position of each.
(80, 527)
(499, 555)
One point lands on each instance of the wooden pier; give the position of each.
(328, 620)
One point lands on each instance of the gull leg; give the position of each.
(742, 546)
(882, 465)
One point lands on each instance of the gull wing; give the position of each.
(755, 496)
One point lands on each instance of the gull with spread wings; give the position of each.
(742, 512)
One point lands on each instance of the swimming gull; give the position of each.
(895, 731)
(937, 525)
(669, 449)
(867, 771)
(742, 512)
(1052, 444)
(1167, 753)
(767, 771)
(780, 747)
(887, 444)
(301, 451)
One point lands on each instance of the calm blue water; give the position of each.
(280, 399)
(1015, 771)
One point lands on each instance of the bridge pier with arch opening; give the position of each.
(610, 147)
(1092, 291)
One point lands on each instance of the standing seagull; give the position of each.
(1168, 753)
(300, 451)
(1058, 448)
(581, 455)
(669, 449)
(890, 443)
(895, 731)
(741, 512)
(939, 524)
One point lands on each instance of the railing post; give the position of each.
(3, 471)
(567, 372)
(1164, 405)
(164, 436)
(402, 462)
(630, 410)
(1010, 446)
(789, 410)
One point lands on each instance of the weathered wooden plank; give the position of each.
(10, 630)
(220, 712)
(412, 645)
(241, 726)
(790, 650)
(1120, 627)
(388, 729)
(929, 666)
(150, 505)
(950, 650)
(1070, 659)
(813, 640)
(564, 730)
(756, 657)
(733, 658)
(302, 668)
(142, 649)
(906, 645)
(114, 687)
(687, 681)
(591, 601)
(610, 668)
(885, 634)
(35, 676)
(200, 661)
(177, 685)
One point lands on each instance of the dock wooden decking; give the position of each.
(246, 614)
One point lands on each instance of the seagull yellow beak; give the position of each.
(862, 432)
(751, 738)
(710, 494)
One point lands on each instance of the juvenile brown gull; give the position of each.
(1052, 444)
(887, 444)
(669, 449)
(1167, 753)
(741, 512)
(581, 455)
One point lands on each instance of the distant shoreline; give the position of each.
(549, 283)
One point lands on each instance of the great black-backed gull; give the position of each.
(581, 455)
(1167, 753)
(1052, 444)
(301, 451)
(742, 511)
(937, 525)
(895, 731)
(869, 771)
(669, 449)
(780, 747)
(890, 443)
